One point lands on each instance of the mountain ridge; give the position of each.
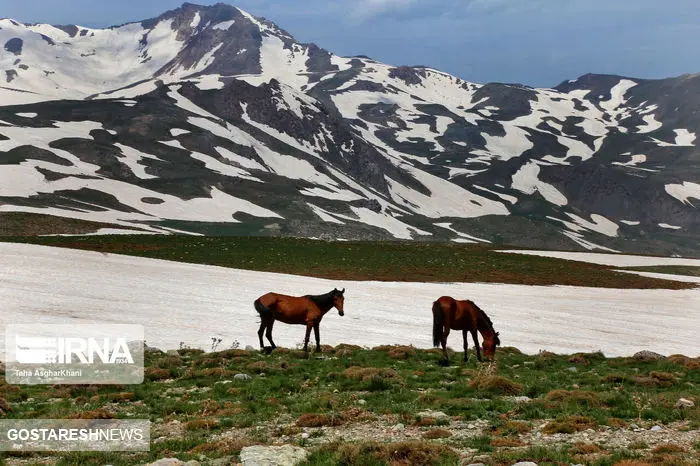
(215, 107)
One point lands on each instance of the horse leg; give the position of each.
(261, 330)
(466, 346)
(268, 334)
(476, 345)
(316, 331)
(308, 335)
(445, 334)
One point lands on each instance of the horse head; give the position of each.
(490, 344)
(338, 300)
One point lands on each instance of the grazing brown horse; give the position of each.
(448, 313)
(303, 310)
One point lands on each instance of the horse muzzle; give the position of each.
(341, 313)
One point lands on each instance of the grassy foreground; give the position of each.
(387, 261)
(352, 406)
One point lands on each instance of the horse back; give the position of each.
(288, 309)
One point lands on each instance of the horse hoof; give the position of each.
(444, 363)
(268, 349)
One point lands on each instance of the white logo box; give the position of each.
(74, 354)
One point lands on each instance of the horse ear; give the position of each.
(342, 291)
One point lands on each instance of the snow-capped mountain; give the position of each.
(209, 120)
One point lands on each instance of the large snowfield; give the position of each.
(191, 304)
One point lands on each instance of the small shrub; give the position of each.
(437, 433)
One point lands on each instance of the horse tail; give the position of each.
(438, 320)
(261, 308)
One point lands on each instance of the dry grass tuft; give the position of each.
(437, 433)
(580, 397)
(401, 352)
(318, 420)
(617, 423)
(224, 447)
(200, 424)
(257, 367)
(168, 362)
(154, 373)
(583, 448)
(367, 373)
(513, 428)
(505, 442)
(99, 413)
(569, 425)
(668, 448)
(408, 453)
(655, 379)
(692, 364)
(496, 384)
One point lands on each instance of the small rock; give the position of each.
(305, 435)
(475, 464)
(398, 428)
(648, 356)
(172, 352)
(173, 462)
(249, 348)
(151, 350)
(572, 369)
(361, 402)
(437, 415)
(525, 463)
(285, 455)
(684, 403)
(519, 399)
(241, 377)
(656, 429)
(634, 426)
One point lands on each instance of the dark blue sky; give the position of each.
(534, 42)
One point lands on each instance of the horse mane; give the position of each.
(488, 322)
(323, 301)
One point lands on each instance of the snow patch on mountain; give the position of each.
(526, 180)
(684, 191)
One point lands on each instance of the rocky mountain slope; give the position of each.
(209, 120)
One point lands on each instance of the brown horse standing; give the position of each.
(302, 310)
(448, 313)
